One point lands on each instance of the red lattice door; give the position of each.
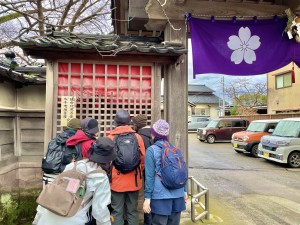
(102, 89)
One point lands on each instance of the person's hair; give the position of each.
(107, 167)
(158, 139)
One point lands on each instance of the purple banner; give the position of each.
(239, 47)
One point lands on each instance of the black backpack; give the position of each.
(128, 152)
(59, 155)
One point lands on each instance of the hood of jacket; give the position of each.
(80, 136)
(122, 129)
(146, 131)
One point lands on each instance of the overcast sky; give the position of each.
(213, 81)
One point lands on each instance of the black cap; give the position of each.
(90, 125)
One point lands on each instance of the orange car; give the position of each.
(247, 141)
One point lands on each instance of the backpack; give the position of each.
(128, 152)
(59, 155)
(174, 173)
(65, 194)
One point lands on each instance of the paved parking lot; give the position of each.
(245, 190)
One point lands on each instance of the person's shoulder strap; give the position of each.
(163, 145)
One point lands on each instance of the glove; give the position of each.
(146, 206)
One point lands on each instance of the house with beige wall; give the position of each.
(283, 95)
(205, 101)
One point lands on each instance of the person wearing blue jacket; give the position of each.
(165, 205)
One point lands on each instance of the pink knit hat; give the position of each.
(160, 129)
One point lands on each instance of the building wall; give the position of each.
(8, 96)
(31, 97)
(213, 110)
(22, 122)
(283, 100)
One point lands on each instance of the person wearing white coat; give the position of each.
(98, 187)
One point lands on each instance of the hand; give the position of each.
(146, 206)
(186, 197)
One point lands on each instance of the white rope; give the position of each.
(162, 7)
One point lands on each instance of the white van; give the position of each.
(283, 145)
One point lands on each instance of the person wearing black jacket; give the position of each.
(139, 124)
(72, 126)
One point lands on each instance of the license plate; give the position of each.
(198, 136)
(266, 154)
(235, 145)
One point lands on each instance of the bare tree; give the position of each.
(27, 18)
(246, 95)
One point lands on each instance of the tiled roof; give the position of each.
(199, 88)
(23, 75)
(106, 44)
(204, 99)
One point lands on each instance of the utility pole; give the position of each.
(223, 99)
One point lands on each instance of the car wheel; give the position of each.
(237, 151)
(294, 160)
(211, 139)
(254, 151)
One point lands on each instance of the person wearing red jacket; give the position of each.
(86, 136)
(125, 187)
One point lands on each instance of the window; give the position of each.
(202, 119)
(283, 80)
(202, 111)
(238, 123)
(225, 124)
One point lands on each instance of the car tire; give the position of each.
(294, 160)
(237, 151)
(254, 151)
(211, 139)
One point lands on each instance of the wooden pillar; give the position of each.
(49, 104)
(156, 84)
(176, 90)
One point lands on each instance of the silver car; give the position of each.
(195, 122)
(283, 145)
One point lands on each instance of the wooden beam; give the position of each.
(159, 15)
(179, 2)
(56, 54)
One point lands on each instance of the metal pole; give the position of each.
(223, 99)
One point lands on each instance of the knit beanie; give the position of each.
(139, 121)
(160, 129)
(90, 125)
(122, 118)
(74, 124)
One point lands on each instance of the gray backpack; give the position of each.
(128, 153)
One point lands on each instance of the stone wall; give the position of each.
(22, 121)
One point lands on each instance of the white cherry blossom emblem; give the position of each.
(243, 46)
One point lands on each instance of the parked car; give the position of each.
(247, 141)
(283, 145)
(221, 129)
(195, 122)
